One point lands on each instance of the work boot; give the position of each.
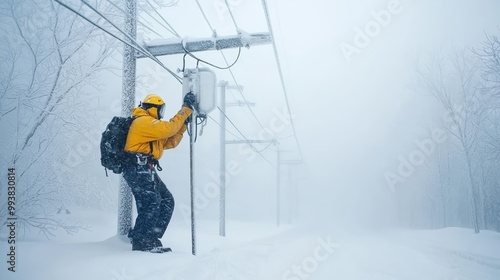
(157, 242)
(160, 250)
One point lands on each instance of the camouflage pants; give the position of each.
(155, 205)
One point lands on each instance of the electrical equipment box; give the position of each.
(202, 83)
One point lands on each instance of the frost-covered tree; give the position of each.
(51, 60)
(489, 55)
(460, 185)
(455, 83)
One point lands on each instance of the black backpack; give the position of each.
(113, 155)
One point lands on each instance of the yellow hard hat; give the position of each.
(153, 99)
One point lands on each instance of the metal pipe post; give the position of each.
(222, 192)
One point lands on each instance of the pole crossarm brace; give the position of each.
(180, 46)
(249, 141)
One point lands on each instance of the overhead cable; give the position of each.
(205, 16)
(172, 30)
(138, 47)
(268, 19)
(244, 137)
(138, 21)
(232, 16)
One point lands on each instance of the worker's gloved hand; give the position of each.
(189, 100)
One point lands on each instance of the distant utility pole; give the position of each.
(292, 188)
(223, 85)
(128, 100)
(278, 182)
(222, 193)
(278, 191)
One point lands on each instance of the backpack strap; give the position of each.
(156, 163)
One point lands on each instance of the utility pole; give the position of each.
(292, 188)
(278, 181)
(128, 100)
(278, 191)
(222, 196)
(222, 121)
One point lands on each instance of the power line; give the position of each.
(171, 30)
(159, 22)
(138, 21)
(265, 148)
(224, 128)
(231, 72)
(243, 96)
(264, 4)
(209, 25)
(244, 137)
(232, 16)
(140, 48)
(211, 64)
(205, 16)
(239, 131)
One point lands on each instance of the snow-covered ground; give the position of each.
(261, 251)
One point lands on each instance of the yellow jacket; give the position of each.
(148, 128)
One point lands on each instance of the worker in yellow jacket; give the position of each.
(147, 138)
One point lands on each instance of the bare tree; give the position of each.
(455, 84)
(50, 59)
(490, 69)
(489, 55)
